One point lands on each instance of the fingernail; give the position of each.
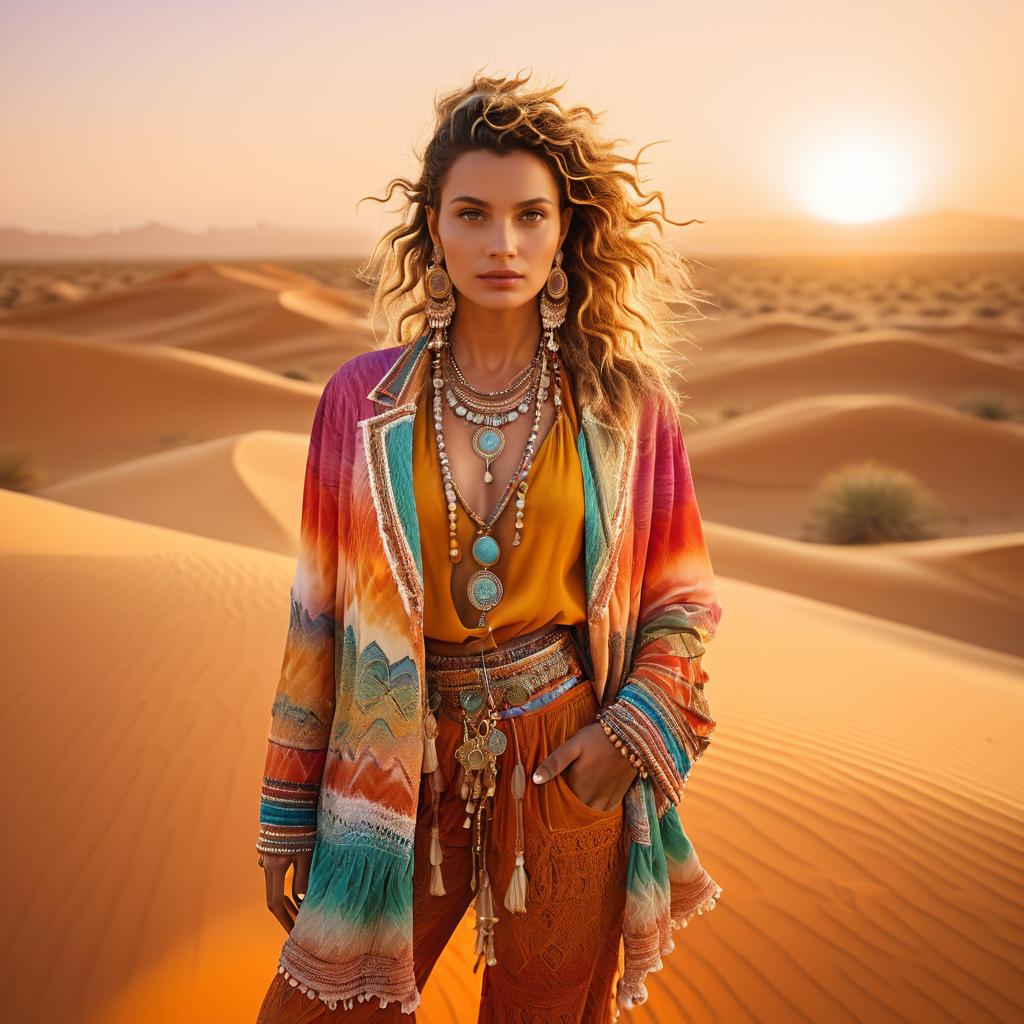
(301, 895)
(538, 776)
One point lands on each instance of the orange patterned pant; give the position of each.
(557, 962)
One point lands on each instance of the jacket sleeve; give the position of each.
(661, 709)
(303, 707)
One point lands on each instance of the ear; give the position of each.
(566, 218)
(432, 225)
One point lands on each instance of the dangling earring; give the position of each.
(440, 299)
(554, 301)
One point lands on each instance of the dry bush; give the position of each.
(871, 503)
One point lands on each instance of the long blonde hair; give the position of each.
(620, 332)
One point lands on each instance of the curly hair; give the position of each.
(619, 337)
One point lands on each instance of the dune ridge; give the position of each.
(246, 489)
(239, 313)
(135, 402)
(966, 588)
(781, 453)
(884, 361)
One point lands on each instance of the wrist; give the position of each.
(628, 752)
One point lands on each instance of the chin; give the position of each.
(499, 300)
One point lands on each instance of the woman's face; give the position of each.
(498, 213)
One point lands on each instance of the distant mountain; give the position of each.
(950, 231)
(159, 241)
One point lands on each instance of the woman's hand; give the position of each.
(275, 867)
(598, 771)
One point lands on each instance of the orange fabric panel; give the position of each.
(543, 579)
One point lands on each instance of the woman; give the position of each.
(492, 690)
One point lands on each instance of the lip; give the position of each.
(501, 280)
(501, 275)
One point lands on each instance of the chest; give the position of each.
(465, 446)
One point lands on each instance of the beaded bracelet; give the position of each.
(624, 749)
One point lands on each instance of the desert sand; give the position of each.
(861, 803)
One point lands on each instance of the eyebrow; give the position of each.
(483, 202)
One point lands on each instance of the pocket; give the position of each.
(558, 804)
(580, 806)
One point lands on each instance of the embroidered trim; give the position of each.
(606, 571)
(400, 558)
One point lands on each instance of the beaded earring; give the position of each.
(440, 298)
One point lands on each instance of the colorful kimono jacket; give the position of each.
(346, 744)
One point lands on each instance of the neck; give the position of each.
(492, 347)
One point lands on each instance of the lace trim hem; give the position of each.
(372, 977)
(631, 991)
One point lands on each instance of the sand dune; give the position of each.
(849, 815)
(996, 341)
(245, 489)
(965, 588)
(881, 362)
(758, 471)
(103, 404)
(719, 335)
(862, 804)
(275, 319)
(724, 338)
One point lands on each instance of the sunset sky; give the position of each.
(231, 113)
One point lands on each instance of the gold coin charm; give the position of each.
(477, 758)
(516, 694)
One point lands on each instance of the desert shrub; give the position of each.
(987, 406)
(871, 503)
(19, 472)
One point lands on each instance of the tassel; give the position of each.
(436, 855)
(430, 742)
(484, 922)
(515, 895)
(436, 881)
(515, 898)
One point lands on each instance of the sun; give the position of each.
(854, 182)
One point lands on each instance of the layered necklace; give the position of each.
(489, 411)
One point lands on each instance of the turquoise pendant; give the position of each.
(484, 590)
(471, 700)
(488, 443)
(485, 550)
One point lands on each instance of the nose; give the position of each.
(502, 243)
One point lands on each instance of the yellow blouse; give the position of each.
(543, 579)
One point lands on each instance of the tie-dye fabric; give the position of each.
(345, 751)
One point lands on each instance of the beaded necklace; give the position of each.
(489, 407)
(484, 588)
(516, 382)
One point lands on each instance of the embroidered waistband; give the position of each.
(509, 654)
(513, 675)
